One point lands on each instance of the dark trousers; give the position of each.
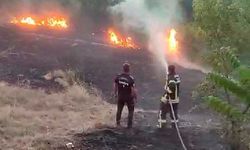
(165, 108)
(130, 106)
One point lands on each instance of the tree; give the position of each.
(234, 114)
(225, 26)
(230, 76)
(224, 22)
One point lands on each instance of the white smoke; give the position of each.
(156, 18)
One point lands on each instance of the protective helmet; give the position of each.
(171, 69)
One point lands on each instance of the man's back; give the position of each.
(124, 87)
(124, 82)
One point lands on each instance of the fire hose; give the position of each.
(176, 126)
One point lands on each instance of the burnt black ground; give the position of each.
(33, 54)
(147, 139)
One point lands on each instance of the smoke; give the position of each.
(155, 19)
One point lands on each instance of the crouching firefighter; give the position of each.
(170, 97)
(124, 87)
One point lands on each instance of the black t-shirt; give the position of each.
(124, 83)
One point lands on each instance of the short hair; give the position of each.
(126, 67)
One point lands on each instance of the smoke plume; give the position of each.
(155, 19)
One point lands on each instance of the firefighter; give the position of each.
(124, 89)
(171, 96)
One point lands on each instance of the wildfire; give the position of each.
(55, 22)
(28, 20)
(172, 42)
(114, 38)
(120, 41)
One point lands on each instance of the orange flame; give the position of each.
(114, 38)
(172, 42)
(28, 20)
(120, 41)
(54, 22)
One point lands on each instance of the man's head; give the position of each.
(171, 69)
(126, 67)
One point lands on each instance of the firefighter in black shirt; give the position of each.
(125, 90)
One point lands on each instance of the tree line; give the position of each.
(224, 26)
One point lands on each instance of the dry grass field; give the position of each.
(35, 120)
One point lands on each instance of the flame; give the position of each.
(55, 22)
(28, 20)
(172, 42)
(14, 21)
(120, 41)
(114, 38)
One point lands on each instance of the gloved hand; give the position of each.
(164, 99)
